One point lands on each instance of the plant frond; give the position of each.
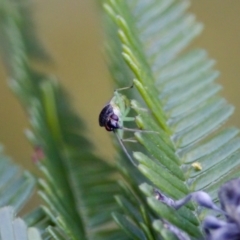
(191, 152)
(40, 219)
(19, 11)
(78, 187)
(16, 185)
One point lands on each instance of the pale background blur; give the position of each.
(71, 32)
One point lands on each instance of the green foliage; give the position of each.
(16, 186)
(184, 107)
(175, 97)
(78, 187)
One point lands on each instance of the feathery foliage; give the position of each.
(16, 185)
(78, 187)
(190, 153)
(175, 97)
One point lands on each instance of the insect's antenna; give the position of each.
(124, 88)
(125, 150)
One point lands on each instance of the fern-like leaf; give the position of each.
(16, 186)
(190, 153)
(78, 187)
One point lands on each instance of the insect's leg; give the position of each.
(128, 119)
(143, 109)
(124, 88)
(125, 150)
(125, 113)
(129, 140)
(140, 108)
(131, 119)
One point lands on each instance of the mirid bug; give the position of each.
(114, 114)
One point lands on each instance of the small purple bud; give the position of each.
(211, 222)
(202, 199)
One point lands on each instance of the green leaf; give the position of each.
(37, 218)
(78, 187)
(16, 185)
(128, 227)
(160, 176)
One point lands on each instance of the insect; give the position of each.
(115, 111)
(113, 116)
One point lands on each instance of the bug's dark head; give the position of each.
(109, 119)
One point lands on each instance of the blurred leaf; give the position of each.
(78, 187)
(16, 186)
(175, 97)
(14, 228)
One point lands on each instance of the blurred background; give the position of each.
(71, 32)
